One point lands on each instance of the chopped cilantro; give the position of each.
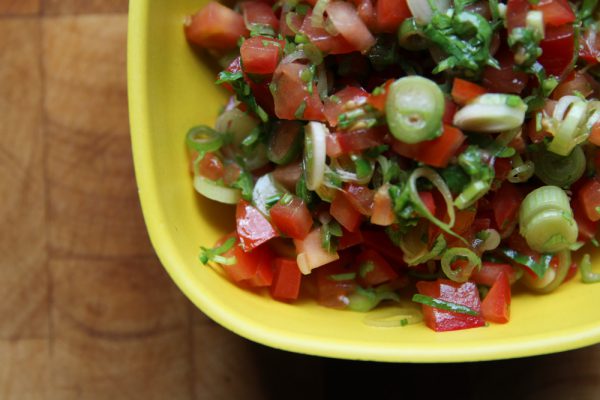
(242, 91)
(215, 254)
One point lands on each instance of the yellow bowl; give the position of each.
(171, 89)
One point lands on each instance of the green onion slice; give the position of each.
(551, 279)
(462, 273)
(562, 171)
(314, 154)
(443, 305)
(216, 192)
(440, 185)
(203, 139)
(585, 267)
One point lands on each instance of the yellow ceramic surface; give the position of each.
(171, 89)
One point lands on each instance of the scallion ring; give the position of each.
(491, 112)
(462, 272)
(585, 267)
(556, 170)
(552, 279)
(203, 139)
(314, 154)
(216, 192)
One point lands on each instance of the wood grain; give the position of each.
(19, 7)
(87, 311)
(53, 7)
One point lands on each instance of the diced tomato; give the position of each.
(332, 291)
(575, 83)
(556, 12)
(346, 21)
(361, 197)
(311, 253)
(502, 166)
(325, 42)
(233, 67)
(288, 175)
(216, 27)
(286, 279)
(589, 46)
(366, 12)
(558, 48)
(340, 143)
(344, 100)
(380, 241)
(505, 203)
(506, 79)
(496, 304)
(516, 14)
(428, 201)
(587, 228)
(390, 14)
(588, 197)
(349, 239)
(594, 137)
(464, 91)
(464, 220)
(342, 210)
(295, 22)
(260, 55)
(259, 13)
(436, 152)
(449, 112)
(291, 96)
(211, 167)
(372, 269)
(253, 228)
(292, 219)
(251, 267)
(465, 294)
(263, 276)
(378, 100)
(490, 272)
(383, 212)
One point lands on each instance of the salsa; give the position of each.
(378, 149)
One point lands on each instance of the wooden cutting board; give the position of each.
(86, 310)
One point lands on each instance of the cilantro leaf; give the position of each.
(242, 91)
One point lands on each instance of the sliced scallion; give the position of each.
(585, 267)
(443, 305)
(314, 154)
(556, 170)
(414, 109)
(491, 112)
(462, 272)
(216, 192)
(203, 139)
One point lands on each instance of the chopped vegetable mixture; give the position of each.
(378, 149)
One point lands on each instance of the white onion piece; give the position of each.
(311, 253)
(346, 21)
(295, 56)
(265, 187)
(314, 154)
(211, 190)
(421, 10)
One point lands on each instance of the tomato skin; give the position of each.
(558, 48)
(361, 198)
(588, 197)
(286, 279)
(516, 14)
(259, 13)
(506, 203)
(390, 14)
(465, 294)
(506, 79)
(260, 55)
(292, 219)
(253, 228)
(288, 175)
(251, 267)
(325, 42)
(342, 210)
(496, 304)
(345, 19)
(211, 167)
(295, 22)
(556, 12)
(333, 108)
(215, 26)
(355, 141)
(381, 272)
(378, 100)
(436, 152)
(490, 272)
(428, 200)
(349, 239)
(589, 47)
(449, 111)
(333, 293)
(464, 91)
(291, 92)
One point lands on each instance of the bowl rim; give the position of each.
(137, 73)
